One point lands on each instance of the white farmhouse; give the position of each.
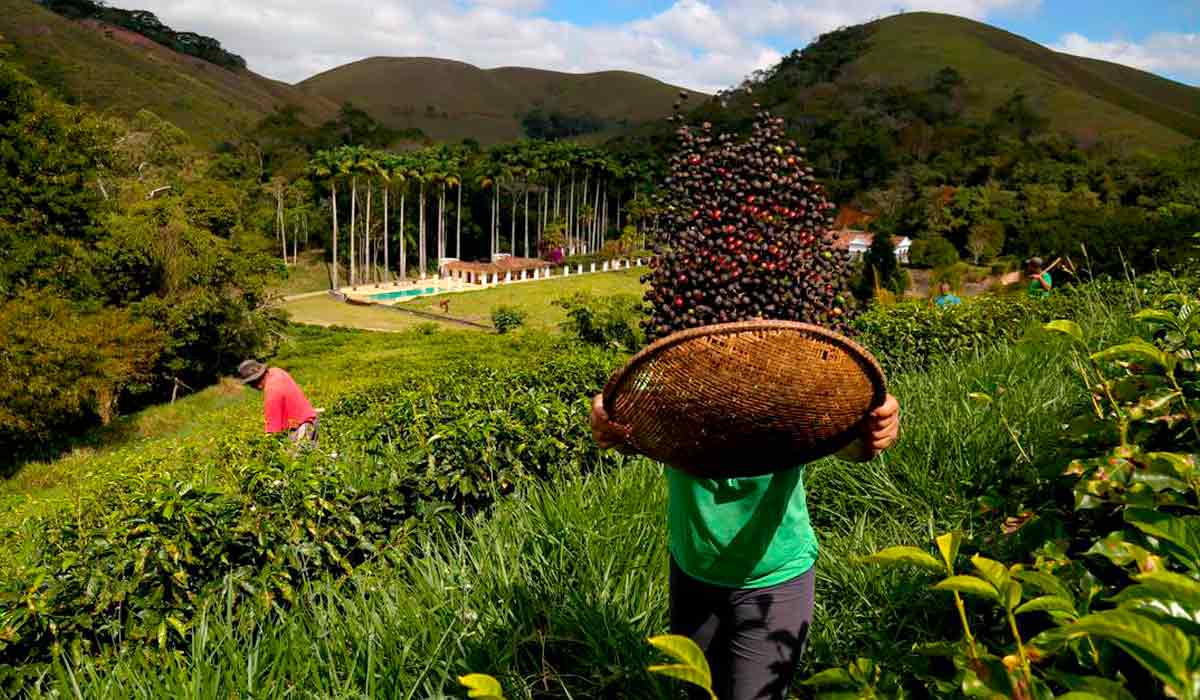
(858, 242)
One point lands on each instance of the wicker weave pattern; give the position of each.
(743, 399)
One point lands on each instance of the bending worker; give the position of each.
(285, 408)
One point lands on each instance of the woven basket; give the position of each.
(745, 399)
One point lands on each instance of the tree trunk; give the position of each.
(387, 269)
(403, 236)
(333, 199)
(570, 228)
(441, 247)
(512, 228)
(421, 232)
(353, 215)
(458, 225)
(280, 226)
(527, 219)
(368, 262)
(583, 201)
(557, 191)
(495, 218)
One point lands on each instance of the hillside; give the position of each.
(450, 100)
(1083, 97)
(114, 69)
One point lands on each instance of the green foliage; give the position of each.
(881, 270)
(1113, 615)
(143, 564)
(690, 664)
(97, 214)
(60, 369)
(935, 252)
(608, 321)
(507, 318)
(49, 201)
(910, 336)
(553, 125)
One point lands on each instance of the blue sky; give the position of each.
(702, 44)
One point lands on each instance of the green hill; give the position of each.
(116, 70)
(1082, 97)
(450, 100)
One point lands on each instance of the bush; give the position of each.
(139, 566)
(913, 335)
(607, 321)
(935, 252)
(507, 318)
(62, 370)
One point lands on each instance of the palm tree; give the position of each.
(326, 165)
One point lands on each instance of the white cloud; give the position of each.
(1177, 54)
(701, 44)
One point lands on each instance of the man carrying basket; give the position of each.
(742, 556)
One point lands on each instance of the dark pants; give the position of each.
(752, 638)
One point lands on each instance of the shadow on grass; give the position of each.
(562, 646)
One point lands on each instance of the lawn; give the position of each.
(309, 274)
(534, 298)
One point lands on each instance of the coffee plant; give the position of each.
(1110, 605)
(134, 570)
(507, 318)
(747, 235)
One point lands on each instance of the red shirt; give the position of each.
(284, 405)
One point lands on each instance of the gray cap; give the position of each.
(251, 371)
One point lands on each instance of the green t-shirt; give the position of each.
(740, 533)
(1036, 290)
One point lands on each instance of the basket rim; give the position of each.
(646, 354)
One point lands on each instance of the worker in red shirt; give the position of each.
(285, 407)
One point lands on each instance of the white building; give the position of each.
(858, 242)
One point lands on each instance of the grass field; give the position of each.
(534, 298)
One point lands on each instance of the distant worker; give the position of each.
(285, 408)
(1040, 282)
(945, 297)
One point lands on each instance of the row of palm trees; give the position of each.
(576, 191)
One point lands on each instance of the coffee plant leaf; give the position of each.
(1048, 584)
(948, 545)
(1067, 327)
(1093, 685)
(830, 677)
(1117, 548)
(1048, 603)
(483, 686)
(905, 556)
(991, 571)
(1182, 532)
(1162, 650)
(970, 585)
(692, 667)
(1169, 591)
(1137, 352)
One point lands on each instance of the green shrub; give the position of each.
(605, 321)
(507, 318)
(1108, 603)
(935, 252)
(62, 370)
(913, 335)
(137, 566)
